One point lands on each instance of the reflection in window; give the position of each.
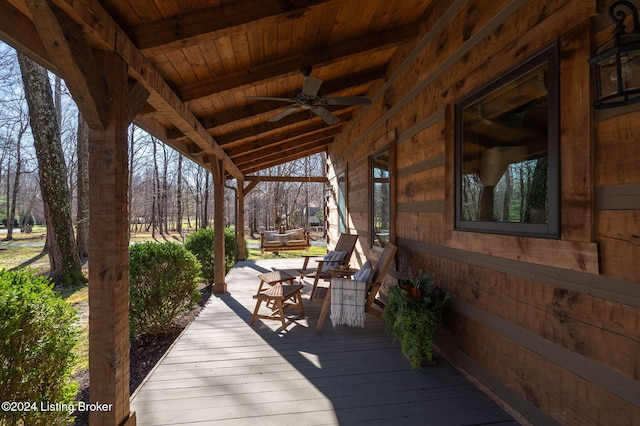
(507, 150)
(342, 202)
(380, 199)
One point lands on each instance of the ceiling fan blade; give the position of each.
(324, 113)
(283, 114)
(348, 100)
(311, 86)
(268, 98)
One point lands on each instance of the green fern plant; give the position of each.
(414, 315)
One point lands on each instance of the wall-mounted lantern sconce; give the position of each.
(617, 62)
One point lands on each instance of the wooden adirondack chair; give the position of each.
(373, 285)
(346, 243)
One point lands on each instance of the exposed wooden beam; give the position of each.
(291, 65)
(18, 31)
(253, 178)
(190, 29)
(138, 95)
(296, 145)
(264, 164)
(100, 25)
(353, 80)
(65, 42)
(249, 187)
(263, 127)
(230, 139)
(313, 132)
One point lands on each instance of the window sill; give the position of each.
(571, 255)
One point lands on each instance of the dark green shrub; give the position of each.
(201, 243)
(163, 284)
(38, 336)
(16, 224)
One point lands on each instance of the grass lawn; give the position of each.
(25, 250)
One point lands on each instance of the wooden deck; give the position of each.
(223, 371)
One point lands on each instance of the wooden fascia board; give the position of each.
(291, 65)
(18, 30)
(64, 40)
(190, 29)
(92, 15)
(253, 178)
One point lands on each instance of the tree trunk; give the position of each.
(155, 211)
(63, 257)
(7, 207)
(83, 188)
(179, 197)
(165, 190)
(11, 214)
(132, 143)
(157, 196)
(205, 208)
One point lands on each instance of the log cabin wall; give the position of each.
(549, 326)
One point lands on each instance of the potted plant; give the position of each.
(414, 315)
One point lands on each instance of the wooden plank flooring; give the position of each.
(223, 371)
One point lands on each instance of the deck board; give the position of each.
(223, 371)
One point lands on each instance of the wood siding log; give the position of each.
(524, 306)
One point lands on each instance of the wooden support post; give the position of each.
(109, 254)
(240, 221)
(219, 284)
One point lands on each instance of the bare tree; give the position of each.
(205, 201)
(179, 196)
(63, 256)
(82, 189)
(11, 203)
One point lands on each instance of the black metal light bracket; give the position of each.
(617, 62)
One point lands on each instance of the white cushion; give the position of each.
(365, 272)
(297, 243)
(335, 258)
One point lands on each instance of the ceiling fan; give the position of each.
(308, 98)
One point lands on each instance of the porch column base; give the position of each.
(219, 288)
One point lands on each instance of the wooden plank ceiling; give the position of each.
(200, 60)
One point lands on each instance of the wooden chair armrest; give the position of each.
(342, 273)
(372, 292)
(306, 260)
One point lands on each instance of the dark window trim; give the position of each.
(389, 148)
(343, 216)
(549, 54)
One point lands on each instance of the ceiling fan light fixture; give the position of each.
(306, 70)
(308, 99)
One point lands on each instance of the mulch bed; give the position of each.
(145, 352)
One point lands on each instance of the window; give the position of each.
(507, 152)
(342, 202)
(380, 199)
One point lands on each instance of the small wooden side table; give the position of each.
(279, 295)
